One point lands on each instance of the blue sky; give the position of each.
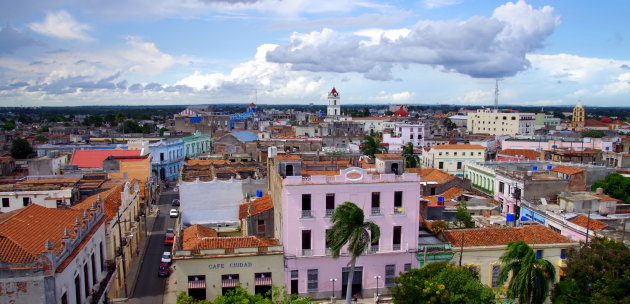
(123, 52)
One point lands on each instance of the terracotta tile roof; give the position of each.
(257, 206)
(534, 234)
(110, 197)
(605, 198)
(319, 172)
(76, 251)
(193, 162)
(458, 147)
(24, 232)
(288, 157)
(431, 174)
(199, 237)
(526, 153)
(592, 224)
(51, 181)
(95, 158)
(448, 195)
(567, 169)
(389, 156)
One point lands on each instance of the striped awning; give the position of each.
(229, 283)
(197, 284)
(262, 282)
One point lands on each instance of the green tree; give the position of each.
(371, 146)
(411, 159)
(44, 129)
(350, 228)
(9, 125)
(615, 185)
(593, 134)
(449, 124)
(531, 277)
(277, 295)
(440, 283)
(162, 130)
(597, 272)
(40, 138)
(21, 148)
(463, 217)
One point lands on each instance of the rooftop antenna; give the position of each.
(496, 96)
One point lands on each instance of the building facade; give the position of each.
(451, 158)
(197, 144)
(334, 106)
(405, 133)
(302, 207)
(167, 158)
(485, 121)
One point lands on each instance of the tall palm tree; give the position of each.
(350, 228)
(531, 277)
(411, 159)
(371, 146)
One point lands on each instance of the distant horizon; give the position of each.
(544, 53)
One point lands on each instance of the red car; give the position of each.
(164, 270)
(168, 240)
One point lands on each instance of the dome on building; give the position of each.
(401, 112)
(606, 120)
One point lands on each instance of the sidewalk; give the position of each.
(134, 269)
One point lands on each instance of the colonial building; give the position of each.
(167, 158)
(51, 255)
(334, 106)
(303, 203)
(46, 192)
(404, 133)
(197, 144)
(451, 158)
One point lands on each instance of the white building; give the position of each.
(49, 193)
(451, 158)
(334, 106)
(484, 121)
(405, 133)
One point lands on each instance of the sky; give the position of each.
(165, 52)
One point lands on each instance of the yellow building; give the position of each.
(451, 158)
(208, 265)
(483, 248)
(579, 117)
(485, 121)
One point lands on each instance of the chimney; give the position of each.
(599, 190)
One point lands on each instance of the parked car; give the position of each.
(169, 239)
(164, 270)
(166, 257)
(175, 203)
(173, 213)
(169, 231)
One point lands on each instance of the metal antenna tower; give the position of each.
(496, 96)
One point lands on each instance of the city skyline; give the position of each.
(68, 53)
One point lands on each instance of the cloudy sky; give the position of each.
(93, 52)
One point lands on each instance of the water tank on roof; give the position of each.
(510, 217)
(259, 193)
(441, 199)
(549, 167)
(534, 168)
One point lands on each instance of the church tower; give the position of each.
(334, 108)
(579, 116)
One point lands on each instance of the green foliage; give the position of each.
(40, 138)
(411, 159)
(93, 120)
(463, 217)
(277, 295)
(531, 277)
(615, 185)
(21, 148)
(44, 129)
(350, 228)
(162, 130)
(450, 125)
(9, 125)
(597, 272)
(593, 134)
(440, 283)
(371, 146)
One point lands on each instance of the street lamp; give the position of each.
(333, 281)
(377, 277)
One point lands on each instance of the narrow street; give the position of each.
(149, 287)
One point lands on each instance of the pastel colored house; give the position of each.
(451, 158)
(197, 144)
(167, 158)
(303, 203)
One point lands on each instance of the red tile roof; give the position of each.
(526, 153)
(199, 237)
(567, 169)
(605, 198)
(389, 156)
(95, 158)
(24, 232)
(448, 195)
(431, 174)
(111, 198)
(585, 222)
(462, 146)
(534, 234)
(255, 207)
(288, 157)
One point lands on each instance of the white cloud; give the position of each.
(440, 3)
(621, 85)
(479, 47)
(61, 25)
(394, 97)
(477, 97)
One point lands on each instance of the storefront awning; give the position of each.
(197, 284)
(229, 283)
(262, 282)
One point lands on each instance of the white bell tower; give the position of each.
(334, 108)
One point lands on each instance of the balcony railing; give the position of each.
(307, 213)
(328, 251)
(329, 212)
(376, 211)
(307, 252)
(399, 210)
(373, 249)
(396, 247)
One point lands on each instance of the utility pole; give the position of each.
(425, 256)
(461, 251)
(122, 253)
(588, 225)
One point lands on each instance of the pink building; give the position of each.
(306, 194)
(602, 144)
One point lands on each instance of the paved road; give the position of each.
(149, 287)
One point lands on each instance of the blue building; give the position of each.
(168, 157)
(197, 144)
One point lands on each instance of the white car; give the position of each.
(166, 257)
(173, 213)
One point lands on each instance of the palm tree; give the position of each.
(531, 276)
(349, 228)
(371, 146)
(411, 159)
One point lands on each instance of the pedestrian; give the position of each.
(137, 251)
(355, 298)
